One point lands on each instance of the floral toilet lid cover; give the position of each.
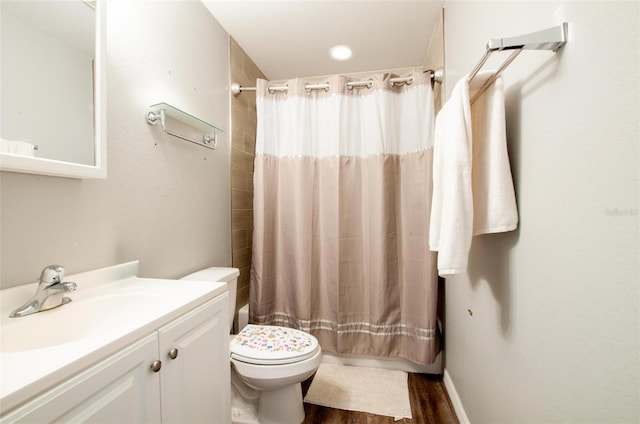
(270, 343)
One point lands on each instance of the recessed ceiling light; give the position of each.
(340, 52)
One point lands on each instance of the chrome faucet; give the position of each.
(50, 293)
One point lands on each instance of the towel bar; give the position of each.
(548, 39)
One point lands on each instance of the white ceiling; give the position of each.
(288, 39)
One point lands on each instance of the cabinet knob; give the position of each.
(156, 365)
(173, 353)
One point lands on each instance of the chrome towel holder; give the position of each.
(551, 39)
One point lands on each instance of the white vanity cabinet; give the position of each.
(122, 388)
(191, 385)
(195, 374)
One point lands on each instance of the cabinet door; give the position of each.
(120, 389)
(196, 384)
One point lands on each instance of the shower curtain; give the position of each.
(342, 197)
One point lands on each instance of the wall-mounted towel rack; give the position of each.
(159, 111)
(549, 39)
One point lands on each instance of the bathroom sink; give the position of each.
(110, 309)
(79, 320)
(28, 335)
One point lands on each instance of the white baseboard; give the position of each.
(455, 399)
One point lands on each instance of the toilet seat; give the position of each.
(272, 345)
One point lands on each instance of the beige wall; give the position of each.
(554, 335)
(165, 202)
(243, 141)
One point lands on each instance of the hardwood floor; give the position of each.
(429, 404)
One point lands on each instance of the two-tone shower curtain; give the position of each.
(342, 197)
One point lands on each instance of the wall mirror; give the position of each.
(52, 88)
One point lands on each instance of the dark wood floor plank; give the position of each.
(430, 403)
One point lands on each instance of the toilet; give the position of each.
(268, 363)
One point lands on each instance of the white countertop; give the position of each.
(111, 309)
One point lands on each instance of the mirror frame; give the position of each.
(43, 166)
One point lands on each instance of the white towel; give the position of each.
(451, 224)
(21, 148)
(472, 184)
(494, 199)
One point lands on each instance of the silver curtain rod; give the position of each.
(436, 76)
(549, 39)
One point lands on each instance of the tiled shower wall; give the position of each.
(243, 142)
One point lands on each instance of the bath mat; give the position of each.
(373, 390)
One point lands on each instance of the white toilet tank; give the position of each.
(219, 274)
